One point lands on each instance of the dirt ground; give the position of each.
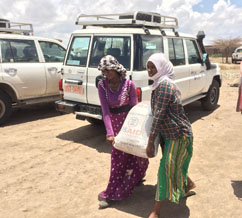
(54, 166)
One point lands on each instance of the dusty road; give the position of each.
(54, 166)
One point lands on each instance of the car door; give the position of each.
(22, 69)
(75, 69)
(115, 45)
(197, 68)
(181, 70)
(1, 70)
(53, 55)
(144, 47)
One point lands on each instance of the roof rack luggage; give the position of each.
(134, 19)
(12, 27)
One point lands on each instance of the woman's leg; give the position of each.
(114, 190)
(138, 167)
(156, 210)
(190, 184)
(172, 181)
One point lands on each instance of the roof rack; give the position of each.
(138, 19)
(12, 27)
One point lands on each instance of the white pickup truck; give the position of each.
(132, 38)
(29, 67)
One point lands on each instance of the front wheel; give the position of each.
(5, 107)
(210, 101)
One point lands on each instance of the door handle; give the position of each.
(80, 71)
(73, 82)
(11, 71)
(52, 69)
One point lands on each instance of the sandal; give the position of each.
(190, 193)
(103, 202)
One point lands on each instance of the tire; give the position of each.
(5, 107)
(94, 121)
(210, 101)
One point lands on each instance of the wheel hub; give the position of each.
(2, 108)
(213, 96)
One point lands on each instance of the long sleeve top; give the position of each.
(115, 99)
(169, 117)
(241, 68)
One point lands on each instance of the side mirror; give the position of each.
(204, 57)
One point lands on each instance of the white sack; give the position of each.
(134, 134)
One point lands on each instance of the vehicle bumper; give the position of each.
(80, 109)
(237, 58)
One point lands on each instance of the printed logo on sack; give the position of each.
(133, 121)
(131, 127)
(131, 131)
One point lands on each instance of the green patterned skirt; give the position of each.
(172, 174)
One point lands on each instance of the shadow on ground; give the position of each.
(87, 135)
(237, 186)
(195, 112)
(142, 199)
(90, 135)
(30, 113)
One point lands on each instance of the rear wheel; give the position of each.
(211, 100)
(5, 107)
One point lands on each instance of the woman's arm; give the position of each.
(241, 68)
(105, 111)
(133, 94)
(161, 103)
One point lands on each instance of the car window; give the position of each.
(16, 50)
(78, 51)
(7, 55)
(52, 52)
(150, 45)
(119, 47)
(176, 51)
(193, 52)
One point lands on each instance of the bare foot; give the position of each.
(154, 215)
(190, 184)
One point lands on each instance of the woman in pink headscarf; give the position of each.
(117, 96)
(239, 101)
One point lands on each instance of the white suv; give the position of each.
(132, 38)
(29, 67)
(237, 55)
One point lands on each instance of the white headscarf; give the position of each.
(164, 70)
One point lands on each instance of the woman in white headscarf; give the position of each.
(169, 121)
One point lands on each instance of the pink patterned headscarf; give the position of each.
(109, 62)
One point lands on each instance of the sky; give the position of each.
(56, 18)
